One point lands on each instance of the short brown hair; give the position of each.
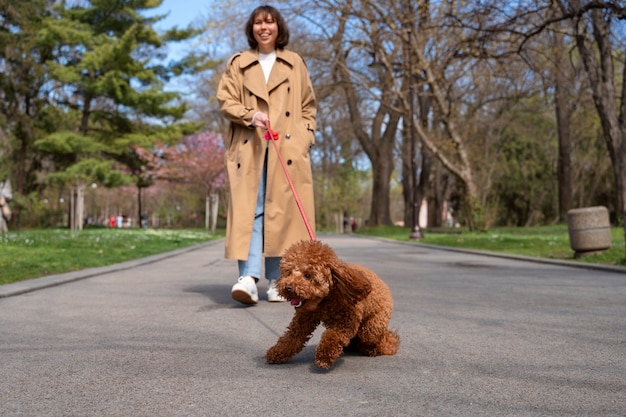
(283, 31)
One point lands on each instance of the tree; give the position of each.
(377, 135)
(77, 172)
(469, 64)
(198, 160)
(454, 80)
(457, 88)
(25, 114)
(104, 71)
(596, 37)
(597, 29)
(525, 185)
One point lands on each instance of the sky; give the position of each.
(182, 13)
(180, 16)
(191, 12)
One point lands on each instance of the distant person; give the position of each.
(6, 194)
(266, 87)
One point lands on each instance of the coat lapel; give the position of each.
(281, 70)
(253, 79)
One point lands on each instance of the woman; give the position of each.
(266, 86)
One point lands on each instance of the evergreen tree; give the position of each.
(108, 71)
(25, 113)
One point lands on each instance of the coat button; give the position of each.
(288, 136)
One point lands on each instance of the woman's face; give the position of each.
(265, 31)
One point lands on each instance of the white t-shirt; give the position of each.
(267, 62)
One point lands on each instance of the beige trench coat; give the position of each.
(289, 100)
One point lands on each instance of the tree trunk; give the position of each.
(379, 141)
(407, 182)
(423, 186)
(440, 193)
(380, 212)
(563, 118)
(462, 167)
(139, 205)
(80, 207)
(598, 61)
(76, 207)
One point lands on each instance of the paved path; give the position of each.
(481, 336)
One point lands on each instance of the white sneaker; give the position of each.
(272, 293)
(245, 290)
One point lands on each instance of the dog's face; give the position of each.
(306, 275)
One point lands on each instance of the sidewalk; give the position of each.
(481, 336)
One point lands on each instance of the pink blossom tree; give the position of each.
(198, 160)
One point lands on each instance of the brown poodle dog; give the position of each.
(351, 301)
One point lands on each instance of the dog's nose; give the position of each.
(288, 288)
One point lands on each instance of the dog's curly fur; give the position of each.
(351, 301)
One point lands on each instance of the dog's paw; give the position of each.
(326, 359)
(275, 355)
(328, 350)
(323, 363)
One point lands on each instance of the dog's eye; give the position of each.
(307, 275)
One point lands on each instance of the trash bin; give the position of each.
(589, 230)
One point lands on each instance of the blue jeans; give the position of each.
(252, 265)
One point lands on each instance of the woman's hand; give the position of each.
(261, 119)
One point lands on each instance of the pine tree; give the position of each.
(24, 111)
(107, 71)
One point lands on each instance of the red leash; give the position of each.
(273, 137)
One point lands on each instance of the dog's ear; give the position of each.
(350, 283)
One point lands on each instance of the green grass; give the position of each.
(550, 242)
(33, 254)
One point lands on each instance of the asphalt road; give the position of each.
(481, 336)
